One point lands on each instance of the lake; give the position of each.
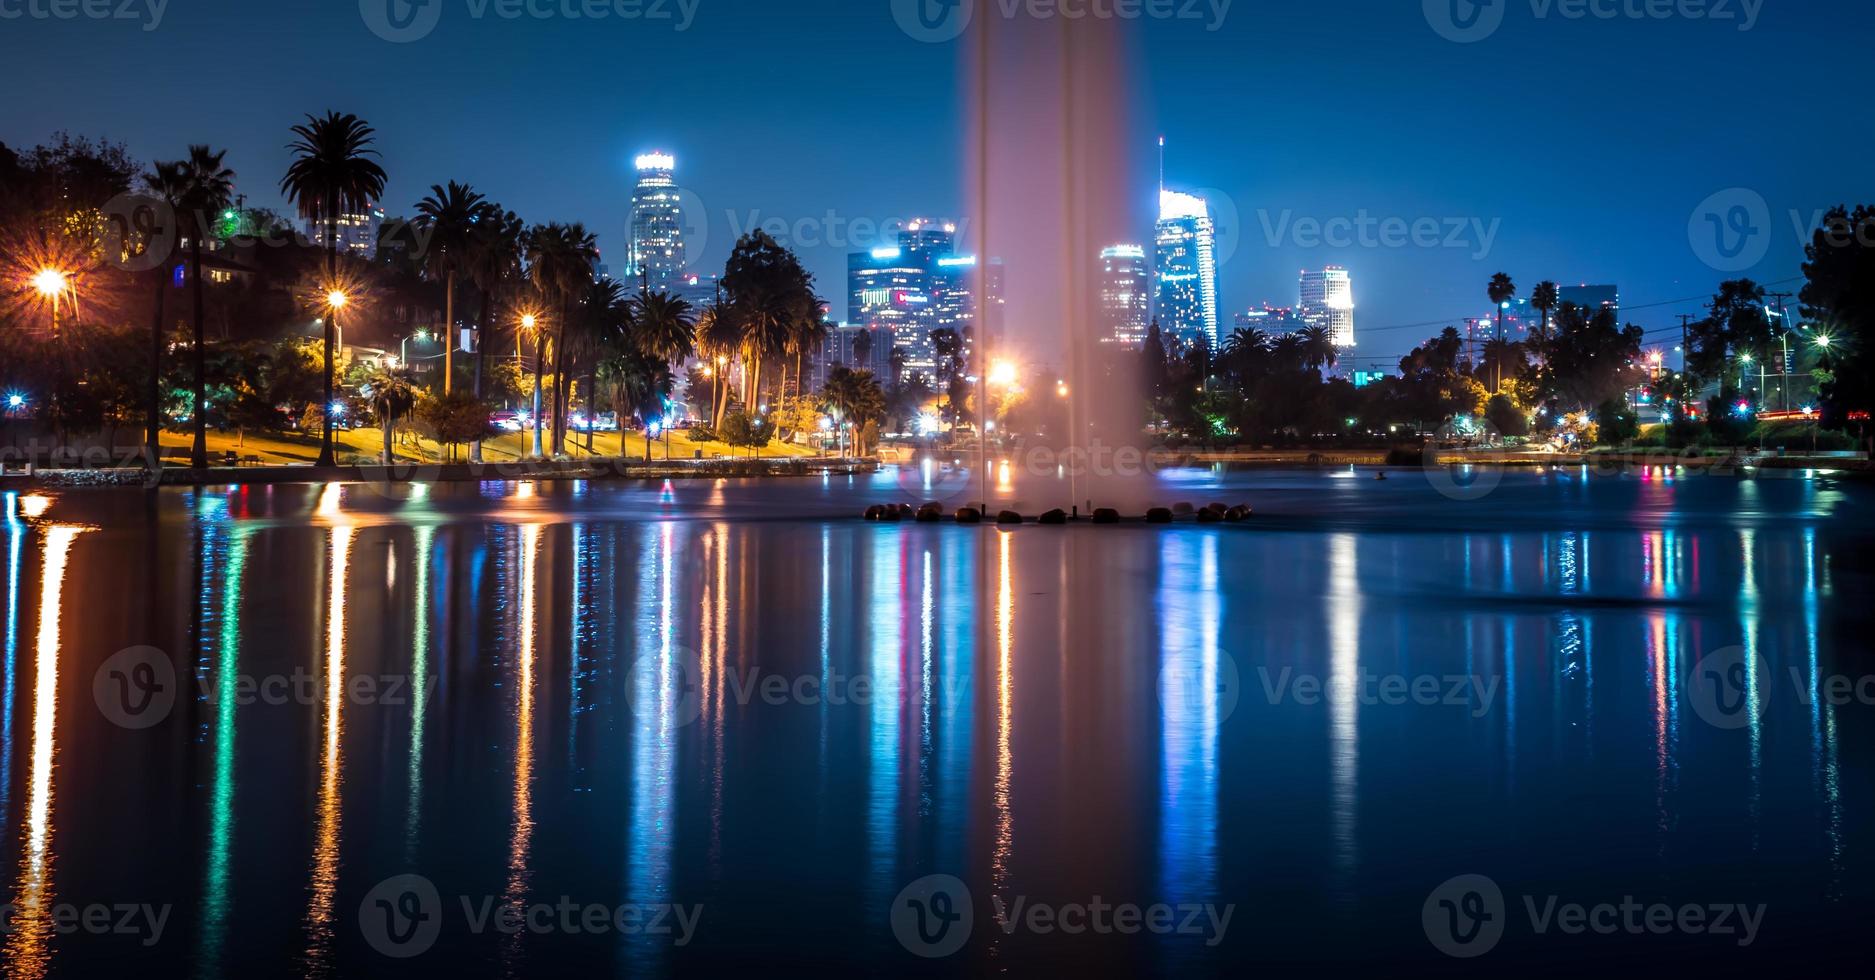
(1549, 722)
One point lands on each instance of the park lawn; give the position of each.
(275, 449)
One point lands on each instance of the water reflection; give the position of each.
(884, 653)
(16, 546)
(223, 687)
(1344, 737)
(657, 720)
(1189, 686)
(325, 862)
(29, 947)
(521, 833)
(419, 687)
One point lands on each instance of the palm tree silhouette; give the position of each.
(206, 187)
(392, 394)
(332, 173)
(450, 216)
(560, 261)
(164, 181)
(494, 265)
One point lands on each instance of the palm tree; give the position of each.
(855, 398)
(494, 265)
(1319, 347)
(1501, 290)
(450, 216)
(206, 187)
(535, 328)
(560, 260)
(602, 324)
(165, 181)
(1546, 297)
(1290, 351)
(718, 340)
(332, 173)
(665, 327)
(392, 394)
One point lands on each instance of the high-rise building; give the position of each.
(1187, 267)
(1592, 298)
(920, 285)
(1125, 295)
(657, 225)
(358, 233)
(1327, 300)
(1272, 320)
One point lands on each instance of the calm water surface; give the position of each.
(684, 730)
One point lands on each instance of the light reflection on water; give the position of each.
(1024, 731)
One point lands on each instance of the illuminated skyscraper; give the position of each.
(1327, 300)
(920, 285)
(1187, 243)
(657, 257)
(1125, 295)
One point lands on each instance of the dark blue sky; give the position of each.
(1585, 146)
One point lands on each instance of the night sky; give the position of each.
(1588, 144)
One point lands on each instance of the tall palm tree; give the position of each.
(602, 324)
(392, 394)
(664, 327)
(206, 188)
(1290, 351)
(450, 216)
(1501, 290)
(853, 397)
(165, 181)
(1319, 346)
(560, 260)
(718, 339)
(1546, 297)
(332, 173)
(494, 265)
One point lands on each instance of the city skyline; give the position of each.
(1633, 229)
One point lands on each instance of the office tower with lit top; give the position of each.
(1125, 295)
(657, 257)
(1187, 268)
(1327, 300)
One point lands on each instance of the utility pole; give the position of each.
(1783, 334)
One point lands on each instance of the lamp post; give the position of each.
(51, 284)
(335, 301)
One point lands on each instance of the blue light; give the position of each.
(886, 253)
(16, 400)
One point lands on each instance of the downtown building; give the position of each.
(358, 233)
(1125, 296)
(1187, 268)
(1271, 320)
(906, 291)
(1592, 299)
(1326, 299)
(657, 258)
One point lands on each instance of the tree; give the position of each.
(166, 181)
(1839, 298)
(854, 399)
(743, 431)
(454, 418)
(1318, 347)
(1504, 416)
(947, 346)
(1546, 297)
(392, 394)
(1501, 290)
(494, 265)
(206, 187)
(1735, 326)
(450, 216)
(766, 290)
(332, 174)
(560, 260)
(602, 326)
(1593, 359)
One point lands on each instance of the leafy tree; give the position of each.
(454, 419)
(392, 394)
(1735, 326)
(1839, 299)
(1504, 416)
(744, 432)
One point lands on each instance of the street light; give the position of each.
(52, 284)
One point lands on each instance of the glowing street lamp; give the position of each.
(52, 284)
(1003, 373)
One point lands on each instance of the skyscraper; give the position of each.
(1594, 299)
(1187, 244)
(1125, 295)
(657, 225)
(1327, 300)
(920, 285)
